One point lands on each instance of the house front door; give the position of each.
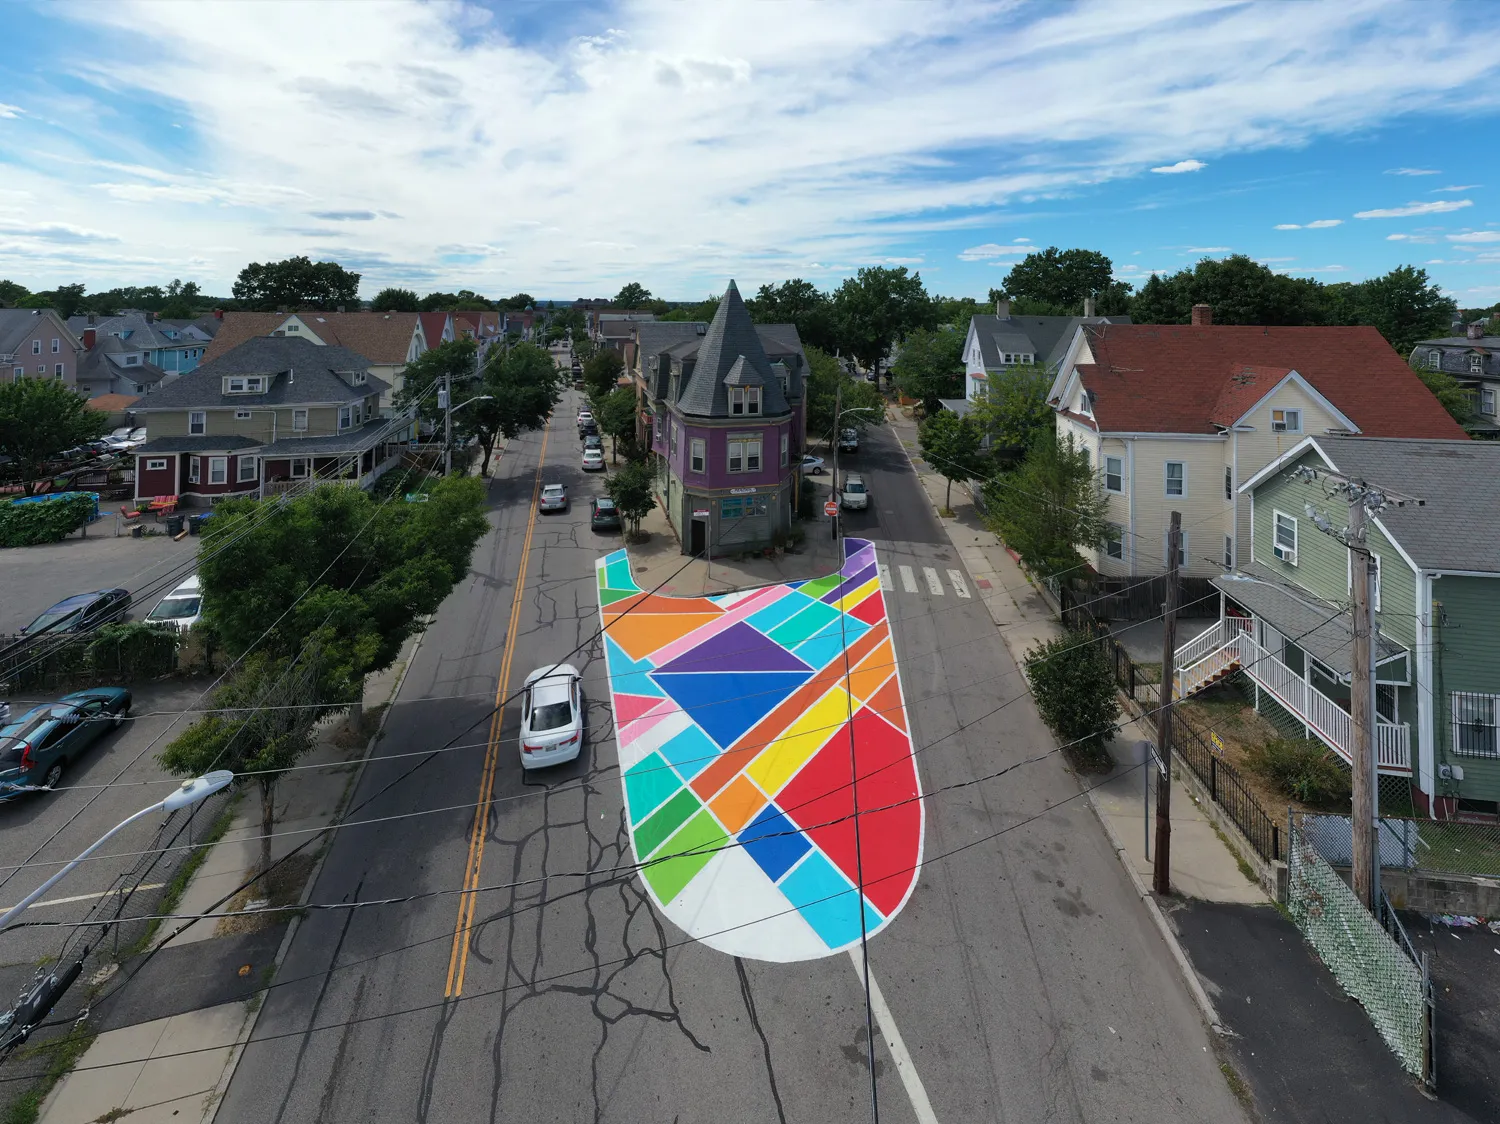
(698, 537)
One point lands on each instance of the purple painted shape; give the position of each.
(850, 584)
(738, 648)
(854, 546)
(858, 559)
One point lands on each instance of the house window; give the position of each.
(18, 372)
(1476, 724)
(785, 448)
(1114, 474)
(242, 415)
(744, 455)
(1476, 363)
(1176, 478)
(36, 347)
(1487, 400)
(1284, 546)
(245, 469)
(1114, 541)
(197, 423)
(299, 420)
(741, 507)
(299, 468)
(195, 467)
(674, 441)
(218, 470)
(752, 400)
(698, 449)
(156, 464)
(1182, 549)
(1435, 360)
(1286, 421)
(752, 456)
(656, 428)
(345, 417)
(56, 345)
(57, 370)
(1228, 552)
(248, 384)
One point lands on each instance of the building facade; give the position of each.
(35, 343)
(1473, 358)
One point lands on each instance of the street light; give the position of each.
(445, 400)
(189, 792)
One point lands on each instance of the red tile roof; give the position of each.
(1182, 378)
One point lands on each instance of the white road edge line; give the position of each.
(908, 579)
(960, 586)
(934, 583)
(921, 1107)
(86, 897)
(885, 577)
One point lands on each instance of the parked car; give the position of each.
(588, 428)
(812, 465)
(118, 442)
(38, 746)
(181, 608)
(554, 498)
(81, 612)
(849, 441)
(593, 441)
(593, 460)
(603, 515)
(551, 716)
(585, 415)
(854, 497)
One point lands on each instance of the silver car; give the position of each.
(551, 716)
(554, 498)
(855, 496)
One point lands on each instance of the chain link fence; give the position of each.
(1367, 953)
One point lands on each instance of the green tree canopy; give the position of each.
(633, 295)
(12, 293)
(296, 283)
(524, 385)
(1450, 393)
(829, 383)
(39, 418)
(616, 415)
(951, 445)
(931, 366)
(518, 303)
(454, 360)
(391, 299)
(877, 307)
(602, 372)
(1237, 288)
(633, 491)
(1013, 409)
(1073, 682)
(1062, 279)
(1050, 507)
(693, 312)
(1402, 304)
(800, 303)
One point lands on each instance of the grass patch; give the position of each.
(283, 886)
(65, 1051)
(1236, 1085)
(172, 898)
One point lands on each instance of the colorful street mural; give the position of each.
(733, 717)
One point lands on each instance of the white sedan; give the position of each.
(551, 716)
(593, 460)
(812, 465)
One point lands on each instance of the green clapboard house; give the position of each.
(1285, 624)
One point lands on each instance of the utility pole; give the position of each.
(838, 414)
(445, 400)
(1161, 872)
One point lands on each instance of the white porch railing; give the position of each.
(1331, 723)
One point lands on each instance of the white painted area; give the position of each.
(84, 897)
(934, 583)
(960, 586)
(885, 577)
(916, 1092)
(654, 738)
(732, 907)
(908, 579)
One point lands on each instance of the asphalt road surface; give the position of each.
(1023, 981)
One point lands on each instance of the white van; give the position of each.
(181, 608)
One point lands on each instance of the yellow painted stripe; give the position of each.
(780, 760)
(854, 597)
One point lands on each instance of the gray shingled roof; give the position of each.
(654, 338)
(18, 323)
(1458, 525)
(315, 370)
(99, 364)
(196, 444)
(731, 336)
(143, 333)
(335, 443)
(1489, 343)
(1046, 337)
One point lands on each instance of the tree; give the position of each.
(12, 294)
(454, 360)
(957, 311)
(296, 283)
(702, 311)
(39, 418)
(633, 295)
(1050, 507)
(829, 383)
(1013, 409)
(1449, 392)
(391, 299)
(1073, 683)
(632, 490)
(931, 366)
(518, 303)
(1239, 290)
(951, 445)
(1063, 279)
(799, 303)
(1402, 304)
(565, 323)
(602, 372)
(616, 416)
(877, 307)
(523, 384)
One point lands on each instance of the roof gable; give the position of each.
(730, 342)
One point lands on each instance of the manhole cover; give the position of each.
(642, 569)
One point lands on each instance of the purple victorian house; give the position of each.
(725, 407)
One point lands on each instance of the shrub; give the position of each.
(1074, 687)
(27, 524)
(807, 500)
(1304, 770)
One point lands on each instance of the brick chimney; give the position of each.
(1203, 315)
(1475, 331)
(89, 335)
(1002, 308)
(1088, 306)
(218, 314)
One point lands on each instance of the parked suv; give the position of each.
(854, 497)
(849, 441)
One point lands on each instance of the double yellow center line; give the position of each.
(458, 959)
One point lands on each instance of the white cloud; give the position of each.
(1273, 261)
(1020, 239)
(992, 250)
(1323, 224)
(10, 111)
(1181, 166)
(1476, 236)
(55, 232)
(1436, 207)
(1397, 237)
(1456, 187)
(1413, 172)
(1208, 249)
(1289, 226)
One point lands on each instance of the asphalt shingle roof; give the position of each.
(196, 444)
(18, 323)
(1169, 378)
(333, 443)
(314, 376)
(731, 336)
(381, 337)
(1046, 337)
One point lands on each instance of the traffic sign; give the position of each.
(831, 508)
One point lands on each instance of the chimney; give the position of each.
(218, 314)
(1002, 308)
(1088, 306)
(1203, 315)
(1475, 330)
(89, 335)
(341, 308)
(92, 319)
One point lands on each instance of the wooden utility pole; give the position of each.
(838, 416)
(1362, 706)
(1161, 880)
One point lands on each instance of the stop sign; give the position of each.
(831, 508)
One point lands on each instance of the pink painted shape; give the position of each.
(741, 609)
(630, 707)
(629, 731)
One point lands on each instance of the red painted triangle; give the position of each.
(630, 707)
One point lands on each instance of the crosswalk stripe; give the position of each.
(934, 583)
(908, 579)
(960, 586)
(885, 577)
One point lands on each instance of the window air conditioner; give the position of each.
(1285, 554)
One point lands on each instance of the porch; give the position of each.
(357, 460)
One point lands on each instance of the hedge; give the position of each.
(27, 524)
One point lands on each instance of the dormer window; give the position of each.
(1434, 359)
(1476, 364)
(744, 400)
(1084, 406)
(245, 384)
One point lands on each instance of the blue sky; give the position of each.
(566, 148)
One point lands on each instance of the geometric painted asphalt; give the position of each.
(742, 720)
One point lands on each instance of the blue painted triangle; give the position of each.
(726, 704)
(627, 676)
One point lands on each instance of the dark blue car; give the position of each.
(38, 746)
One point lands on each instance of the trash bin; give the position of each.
(195, 523)
(174, 525)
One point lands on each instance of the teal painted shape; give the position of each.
(690, 752)
(779, 611)
(829, 644)
(628, 676)
(828, 901)
(649, 783)
(617, 572)
(811, 621)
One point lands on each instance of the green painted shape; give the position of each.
(647, 784)
(665, 820)
(610, 596)
(702, 835)
(819, 586)
(806, 624)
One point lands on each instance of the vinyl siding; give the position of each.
(1204, 510)
(1467, 659)
(322, 421)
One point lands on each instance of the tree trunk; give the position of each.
(267, 820)
(489, 448)
(948, 496)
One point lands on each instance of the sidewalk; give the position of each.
(150, 1087)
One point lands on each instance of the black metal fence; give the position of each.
(1077, 614)
(1227, 789)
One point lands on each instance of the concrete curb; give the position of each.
(211, 1110)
